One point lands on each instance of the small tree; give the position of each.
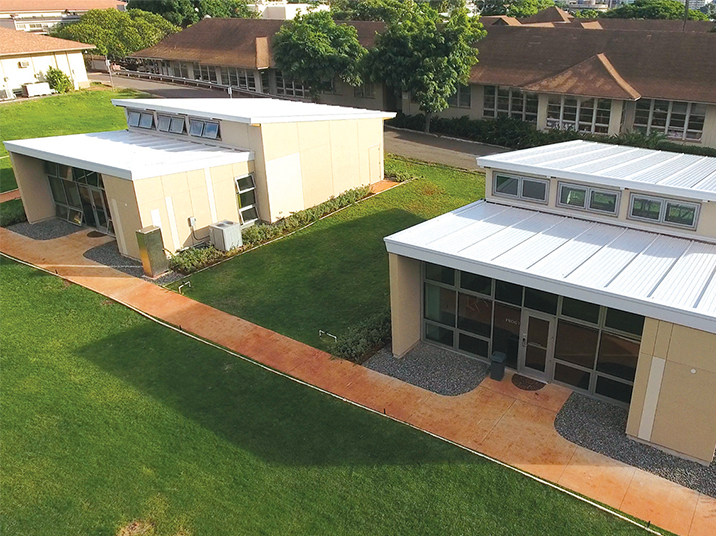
(654, 9)
(314, 49)
(186, 12)
(58, 80)
(426, 55)
(527, 8)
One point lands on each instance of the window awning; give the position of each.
(650, 274)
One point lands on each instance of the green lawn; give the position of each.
(334, 273)
(72, 113)
(108, 418)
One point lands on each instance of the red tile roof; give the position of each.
(15, 43)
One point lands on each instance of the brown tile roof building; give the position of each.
(551, 14)
(15, 43)
(665, 65)
(643, 25)
(34, 6)
(242, 43)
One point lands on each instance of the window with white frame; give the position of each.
(246, 199)
(666, 211)
(587, 198)
(525, 188)
(265, 82)
(510, 102)
(461, 98)
(581, 114)
(181, 70)
(204, 129)
(173, 124)
(239, 78)
(678, 120)
(140, 119)
(289, 88)
(206, 73)
(364, 91)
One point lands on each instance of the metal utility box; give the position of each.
(225, 235)
(151, 251)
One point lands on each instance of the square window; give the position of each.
(177, 125)
(440, 274)
(623, 321)
(211, 130)
(196, 127)
(164, 123)
(603, 201)
(613, 389)
(248, 215)
(572, 196)
(618, 356)
(439, 334)
(589, 312)
(133, 119)
(506, 185)
(571, 376)
(440, 304)
(473, 345)
(536, 190)
(476, 283)
(680, 214)
(646, 208)
(247, 198)
(576, 344)
(474, 315)
(146, 120)
(508, 292)
(541, 301)
(245, 183)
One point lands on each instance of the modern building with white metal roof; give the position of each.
(183, 165)
(589, 265)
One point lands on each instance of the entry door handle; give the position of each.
(524, 341)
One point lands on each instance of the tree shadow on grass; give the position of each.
(277, 419)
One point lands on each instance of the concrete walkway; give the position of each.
(9, 195)
(159, 89)
(496, 418)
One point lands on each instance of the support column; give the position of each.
(404, 303)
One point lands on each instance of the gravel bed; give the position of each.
(46, 230)
(108, 254)
(431, 368)
(599, 426)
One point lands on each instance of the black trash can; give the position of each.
(497, 366)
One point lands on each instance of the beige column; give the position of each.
(615, 118)
(542, 112)
(34, 187)
(404, 303)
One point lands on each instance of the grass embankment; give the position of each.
(110, 419)
(333, 274)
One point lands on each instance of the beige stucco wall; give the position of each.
(71, 63)
(168, 201)
(674, 398)
(34, 187)
(345, 96)
(124, 212)
(309, 162)
(709, 137)
(405, 311)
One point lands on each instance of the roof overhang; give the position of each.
(649, 274)
(128, 155)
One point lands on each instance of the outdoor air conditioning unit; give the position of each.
(23, 64)
(225, 235)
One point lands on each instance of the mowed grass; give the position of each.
(334, 273)
(109, 418)
(71, 113)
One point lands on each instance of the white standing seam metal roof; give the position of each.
(253, 111)
(647, 273)
(128, 155)
(660, 172)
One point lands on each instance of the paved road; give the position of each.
(159, 89)
(436, 149)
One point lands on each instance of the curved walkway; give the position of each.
(497, 419)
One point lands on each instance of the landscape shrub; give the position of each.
(397, 175)
(12, 212)
(517, 134)
(58, 80)
(364, 339)
(193, 259)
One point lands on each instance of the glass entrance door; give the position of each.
(536, 345)
(94, 207)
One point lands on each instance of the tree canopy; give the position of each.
(116, 34)
(375, 10)
(425, 54)
(314, 49)
(186, 12)
(518, 8)
(653, 9)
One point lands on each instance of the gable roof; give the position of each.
(15, 43)
(665, 65)
(551, 14)
(594, 77)
(34, 6)
(644, 25)
(500, 20)
(242, 43)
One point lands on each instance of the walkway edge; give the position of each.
(581, 498)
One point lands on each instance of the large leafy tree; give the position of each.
(314, 49)
(427, 55)
(516, 8)
(653, 9)
(116, 34)
(186, 12)
(376, 10)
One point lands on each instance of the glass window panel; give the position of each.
(51, 168)
(177, 125)
(536, 358)
(439, 334)
(441, 274)
(61, 212)
(75, 216)
(92, 178)
(474, 315)
(576, 344)
(245, 183)
(506, 332)
(571, 376)
(73, 195)
(78, 175)
(133, 119)
(623, 321)
(63, 171)
(440, 304)
(58, 191)
(247, 198)
(196, 127)
(617, 356)
(589, 312)
(476, 283)
(613, 389)
(534, 189)
(146, 121)
(538, 332)
(603, 201)
(680, 214)
(508, 292)
(541, 301)
(249, 214)
(506, 185)
(473, 345)
(573, 196)
(163, 123)
(646, 208)
(211, 130)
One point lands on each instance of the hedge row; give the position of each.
(364, 339)
(517, 134)
(12, 212)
